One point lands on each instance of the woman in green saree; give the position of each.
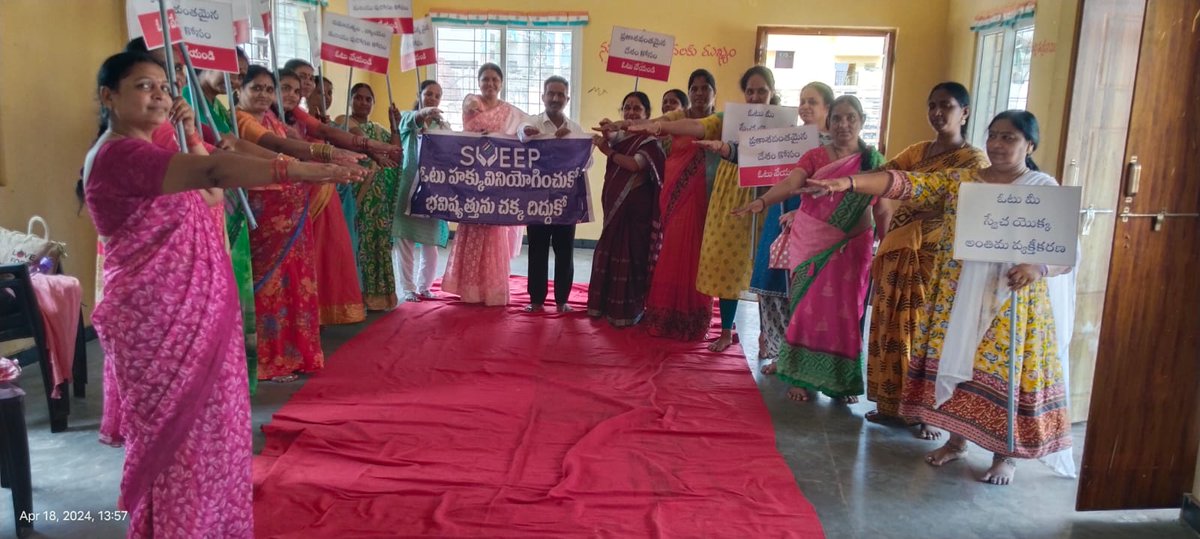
(376, 204)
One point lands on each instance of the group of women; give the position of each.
(678, 233)
(179, 257)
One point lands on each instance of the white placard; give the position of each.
(357, 43)
(208, 30)
(418, 48)
(142, 19)
(746, 117)
(314, 36)
(395, 13)
(424, 41)
(767, 156)
(241, 19)
(1018, 224)
(260, 11)
(380, 9)
(640, 53)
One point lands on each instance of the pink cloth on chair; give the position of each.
(58, 298)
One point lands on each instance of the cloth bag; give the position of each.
(778, 255)
(29, 248)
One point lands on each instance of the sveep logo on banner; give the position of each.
(499, 180)
(487, 154)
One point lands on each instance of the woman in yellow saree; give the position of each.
(903, 263)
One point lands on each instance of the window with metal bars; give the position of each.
(528, 57)
(1002, 59)
(292, 37)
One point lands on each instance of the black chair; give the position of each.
(15, 472)
(20, 318)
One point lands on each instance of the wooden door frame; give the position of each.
(889, 55)
(1097, 488)
(1066, 114)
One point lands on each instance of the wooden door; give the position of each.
(1144, 423)
(1104, 71)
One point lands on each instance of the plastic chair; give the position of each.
(20, 318)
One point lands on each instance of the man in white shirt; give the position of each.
(552, 122)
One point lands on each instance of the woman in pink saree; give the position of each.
(477, 270)
(175, 394)
(829, 251)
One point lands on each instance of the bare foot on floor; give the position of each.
(798, 394)
(1001, 472)
(533, 308)
(947, 453)
(926, 432)
(722, 343)
(875, 416)
(847, 400)
(564, 308)
(769, 368)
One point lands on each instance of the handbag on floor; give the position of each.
(29, 248)
(778, 256)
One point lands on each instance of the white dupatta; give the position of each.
(982, 291)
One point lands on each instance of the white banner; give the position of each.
(640, 53)
(424, 41)
(418, 48)
(395, 13)
(314, 35)
(380, 9)
(260, 11)
(142, 19)
(1019, 224)
(208, 30)
(767, 156)
(356, 43)
(241, 19)
(745, 117)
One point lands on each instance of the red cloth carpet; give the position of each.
(449, 420)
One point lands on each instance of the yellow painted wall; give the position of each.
(48, 118)
(47, 122)
(920, 45)
(48, 114)
(1049, 79)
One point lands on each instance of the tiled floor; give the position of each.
(865, 480)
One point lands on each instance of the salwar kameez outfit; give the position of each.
(414, 236)
(478, 267)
